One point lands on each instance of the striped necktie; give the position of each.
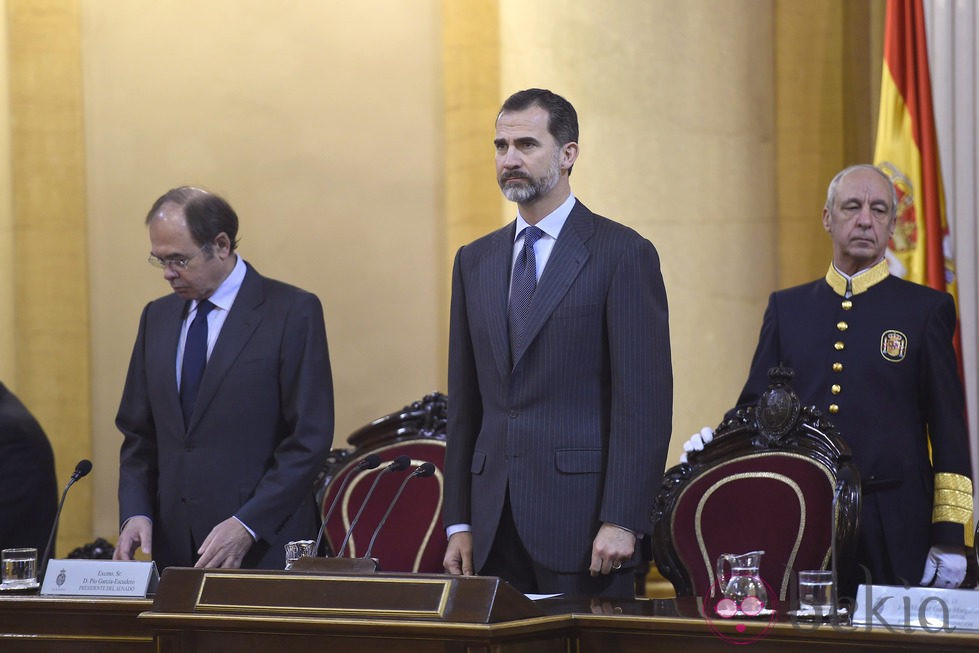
(522, 288)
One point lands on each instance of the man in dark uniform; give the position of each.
(875, 353)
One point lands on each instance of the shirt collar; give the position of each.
(861, 282)
(225, 295)
(552, 223)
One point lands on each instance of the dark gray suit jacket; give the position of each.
(579, 426)
(262, 426)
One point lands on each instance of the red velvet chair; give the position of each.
(413, 537)
(766, 482)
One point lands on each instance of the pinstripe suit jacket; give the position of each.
(578, 425)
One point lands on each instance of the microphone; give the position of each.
(370, 462)
(400, 464)
(422, 471)
(82, 469)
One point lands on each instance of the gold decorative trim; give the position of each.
(786, 577)
(957, 482)
(953, 502)
(381, 625)
(439, 611)
(862, 282)
(953, 499)
(44, 637)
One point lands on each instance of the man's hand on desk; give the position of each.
(225, 546)
(459, 554)
(136, 532)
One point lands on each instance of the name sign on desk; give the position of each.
(916, 608)
(115, 578)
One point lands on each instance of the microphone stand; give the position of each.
(400, 463)
(370, 462)
(424, 470)
(81, 469)
(351, 565)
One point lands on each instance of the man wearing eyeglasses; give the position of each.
(227, 410)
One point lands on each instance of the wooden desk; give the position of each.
(644, 626)
(36, 624)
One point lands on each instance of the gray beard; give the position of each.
(538, 187)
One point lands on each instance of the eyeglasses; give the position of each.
(174, 262)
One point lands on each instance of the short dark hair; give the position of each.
(207, 214)
(562, 121)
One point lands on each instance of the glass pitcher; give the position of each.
(743, 581)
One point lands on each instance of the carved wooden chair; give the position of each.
(768, 481)
(412, 539)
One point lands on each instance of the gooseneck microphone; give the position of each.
(399, 464)
(422, 471)
(370, 462)
(82, 469)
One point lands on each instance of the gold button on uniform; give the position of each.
(835, 389)
(833, 409)
(838, 345)
(847, 304)
(842, 326)
(837, 367)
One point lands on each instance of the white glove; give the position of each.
(944, 567)
(697, 442)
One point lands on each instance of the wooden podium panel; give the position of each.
(38, 624)
(198, 610)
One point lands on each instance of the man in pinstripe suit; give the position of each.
(556, 442)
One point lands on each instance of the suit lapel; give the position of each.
(238, 328)
(167, 334)
(494, 290)
(567, 258)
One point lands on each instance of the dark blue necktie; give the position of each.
(195, 358)
(522, 288)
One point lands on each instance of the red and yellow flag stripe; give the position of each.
(907, 148)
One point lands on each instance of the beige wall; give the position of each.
(675, 105)
(354, 139)
(319, 121)
(6, 216)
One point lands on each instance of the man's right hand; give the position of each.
(137, 531)
(459, 554)
(697, 442)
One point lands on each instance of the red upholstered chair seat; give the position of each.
(779, 503)
(766, 482)
(413, 538)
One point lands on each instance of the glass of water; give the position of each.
(816, 593)
(19, 568)
(298, 549)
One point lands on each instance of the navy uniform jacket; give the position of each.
(578, 426)
(881, 366)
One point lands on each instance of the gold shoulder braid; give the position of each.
(953, 502)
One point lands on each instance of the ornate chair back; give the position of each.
(776, 478)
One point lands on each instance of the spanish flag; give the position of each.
(907, 150)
